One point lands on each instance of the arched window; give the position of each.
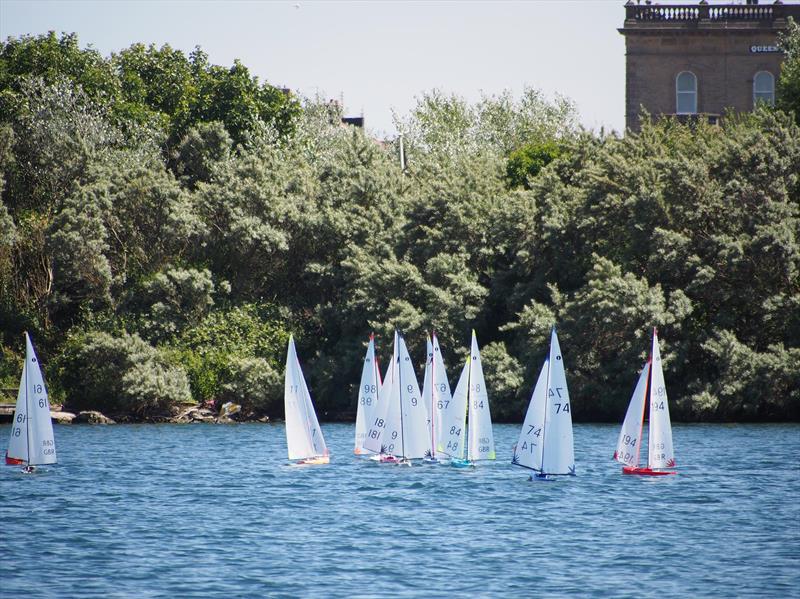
(686, 93)
(764, 88)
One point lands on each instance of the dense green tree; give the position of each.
(200, 152)
(52, 59)
(166, 223)
(123, 376)
(224, 352)
(526, 162)
(788, 89)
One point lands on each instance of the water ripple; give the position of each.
(165, 511)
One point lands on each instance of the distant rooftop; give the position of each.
(715, 16)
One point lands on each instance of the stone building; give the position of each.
(697, 60)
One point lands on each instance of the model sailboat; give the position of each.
(367, 396)
(471, 397)
(545, 443)
(303, 435)
(32, 442)
(399, 429)
(660, 453)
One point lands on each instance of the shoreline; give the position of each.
(92, 417)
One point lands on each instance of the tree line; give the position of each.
(166, 223)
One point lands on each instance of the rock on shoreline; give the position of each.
(92, 417)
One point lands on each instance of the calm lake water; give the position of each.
(215, 511)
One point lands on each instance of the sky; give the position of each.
(375, 57)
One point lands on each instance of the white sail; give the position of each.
(481, 439)
(426, 380)
(367, 396)
(630, 437)
(451, 420)
(381, 438)
(32, 441)
(416, 435)
(661, 453)
(303, 435)
(558, 453)
(439, 395)
(528, 451)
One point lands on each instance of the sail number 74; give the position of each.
(556, 392)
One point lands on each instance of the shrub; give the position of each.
(121, 376)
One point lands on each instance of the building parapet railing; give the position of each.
(683, 13)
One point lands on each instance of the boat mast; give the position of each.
(400, 383)
(27, 401)
(649, 402)
(433, 403)
(544, 422)
(546, 402)
(467, 418)
(376, 368)
(644, 409)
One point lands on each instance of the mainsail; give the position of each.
(661, 453)
(451, 419)
(303, 435)
(481, 439)
(557, 456)
(367, 396)
(437, 391)
(629, 443)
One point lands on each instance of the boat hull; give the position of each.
(646, 471)
(13, 461)
(389, 459)
(456, 463)
(315, 461)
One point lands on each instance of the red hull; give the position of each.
(13, 461)
(646, 471)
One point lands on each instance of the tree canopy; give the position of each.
(166, 223)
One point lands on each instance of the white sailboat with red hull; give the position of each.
(650, 390)
(32, 442)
